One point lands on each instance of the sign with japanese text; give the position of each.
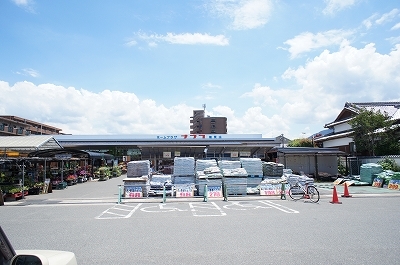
(378, 182)
(184, 191)
(394, 184)
(133, 192)
(273, 189)
(166, 154)
(214, 191)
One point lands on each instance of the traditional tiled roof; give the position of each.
(391, 108)
(350, 110)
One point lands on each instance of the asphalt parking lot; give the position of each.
(87, 220)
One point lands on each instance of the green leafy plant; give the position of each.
(302, 142)
(374, 133)
(342, 169)
(389, 164)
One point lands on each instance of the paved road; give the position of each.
(87, 220)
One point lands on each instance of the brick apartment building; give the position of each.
(199, 124)
(17, 126)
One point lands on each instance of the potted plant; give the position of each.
(71, 179)
(104, 173)
(36, 188)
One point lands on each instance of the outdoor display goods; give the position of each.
(236, 185)
(176, 180)
(203, 164)
(138, 168)
(209, 173)
(236, 172)
(213, 186)
(367, 172)
(303, 180)
(227, 164)
(184, 166)
(273, 187)
(253, 166)
(212, 177)
(136, 187)
(272, 169)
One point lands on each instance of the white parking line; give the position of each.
(112, 213)
(279, 207)
(204, 210)
(243, 206)
(161, 208)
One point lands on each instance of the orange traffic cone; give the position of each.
(346, 191)
(335, 198)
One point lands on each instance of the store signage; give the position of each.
(394, 184)
(244, 154)
(214, 192)
(177, 153)
(273, 189)
(133, 192)
(378, 182)
(234, 154)
(166, 154)
(184, 191)
(62, 156)
(206, 136)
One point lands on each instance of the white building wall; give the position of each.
(342, 127)
(338, 142)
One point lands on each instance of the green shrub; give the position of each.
(389, 164)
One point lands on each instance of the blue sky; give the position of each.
(130, 67)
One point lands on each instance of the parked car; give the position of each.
(157, 184)
(35, 257)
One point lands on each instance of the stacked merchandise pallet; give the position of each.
(202, 164)
(253, 167)
(235, 181)
(184, 177)
(137, 184)
(208, 172)
(369, 171)
(138, 168)
(302, 179)
(228, 164)
(272, 170)
(212, 176)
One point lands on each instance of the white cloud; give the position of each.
(376, 19)
(184, 38)
(334, 6)
(388, 16)
(26, 4)
(244, 14)
(394, 40)
(324, 84)
(349, 75)
(307, 41)
(28, 72)
(84, 112)
(397, 26)
(31, 72)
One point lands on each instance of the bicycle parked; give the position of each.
(308, 191)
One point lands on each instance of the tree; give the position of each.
(302, 142)
(374, 133)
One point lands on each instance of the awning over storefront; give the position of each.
(69, 153)
(307, 151)
(28, 143)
